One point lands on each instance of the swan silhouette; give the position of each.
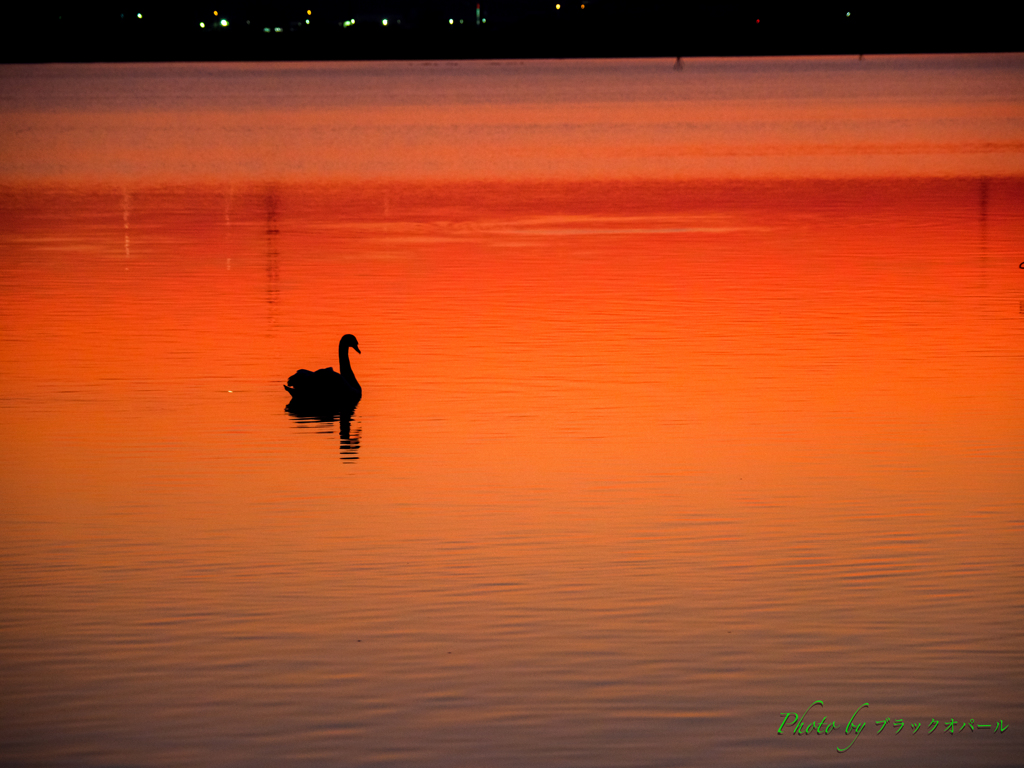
(325, 390)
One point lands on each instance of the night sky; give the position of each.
(442, 29)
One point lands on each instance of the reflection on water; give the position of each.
(306, 417)
(649, 460)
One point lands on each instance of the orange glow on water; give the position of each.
(731, 323)
(607, 429)
(678, 412)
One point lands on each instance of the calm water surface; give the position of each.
(689, 399)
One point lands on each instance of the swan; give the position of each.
(325, 388)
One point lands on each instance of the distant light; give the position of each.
(582, 6)
(309, 13)
(558, 6)
(278, 29)
(758, 21)
(847, 13)
(266, 29)
(307, 21)
(223, 22)
(214, 13)
(202, 25)
(140, 15)
(385, 22)
(484, 20)
(347, 23)
(460, 21)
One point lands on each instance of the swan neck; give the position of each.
(350, 383)
(344, 365)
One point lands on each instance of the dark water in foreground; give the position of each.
(642, 462)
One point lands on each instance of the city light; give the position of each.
(475, 8)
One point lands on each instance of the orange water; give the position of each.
(642, 461)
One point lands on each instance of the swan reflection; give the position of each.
(314, 418)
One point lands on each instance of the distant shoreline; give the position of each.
(525, 29)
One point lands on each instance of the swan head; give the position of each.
(348, 340)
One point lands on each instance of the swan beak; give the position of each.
(356, 349)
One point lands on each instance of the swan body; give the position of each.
(327, 388)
